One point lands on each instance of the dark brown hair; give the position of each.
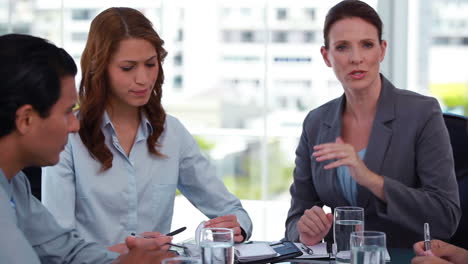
(107, 30)
(349, 9)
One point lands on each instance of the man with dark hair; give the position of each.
(37, 97)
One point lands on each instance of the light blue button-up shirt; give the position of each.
(347, 183)
(30, 234)
(137, 193)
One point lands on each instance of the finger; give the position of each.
(339, 154)
(151, 234)
(238, 238)
(220, 219)
(310, 224)
(326, 146)
(162, 240)
(308, 228)
(136, 242)
(322, 217)
(417, 260)
(419, 248)
(336, 164)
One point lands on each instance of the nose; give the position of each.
(142, 75)
(355, 56)
(73, 125)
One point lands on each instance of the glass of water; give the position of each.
(181, 260)
(217, 246)
(368, 247)
(347, 219)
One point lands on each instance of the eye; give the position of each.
(126, 69)
(368, 45)
(341, 47)
(150, 65)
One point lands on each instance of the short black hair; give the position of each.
(350, 9)
(30, 72)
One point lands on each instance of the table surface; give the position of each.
(397, 256)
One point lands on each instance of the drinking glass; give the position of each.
(347, 219)
(368, 247)
(217, 245)
(181, 260)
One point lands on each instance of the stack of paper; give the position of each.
(253, 252)
(315, 251)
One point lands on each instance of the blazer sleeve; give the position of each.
(303, 193)
(58, 188)
(436, 201)
(203, 188)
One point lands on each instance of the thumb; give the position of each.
(130, 241)
(330, 217)
(339, 140)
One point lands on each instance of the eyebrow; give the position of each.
(347, 41)
(132, 61)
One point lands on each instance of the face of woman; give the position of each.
(355, 53)
(132, 71)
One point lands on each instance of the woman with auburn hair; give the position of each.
(377, 147)
(120, 173)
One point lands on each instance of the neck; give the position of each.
(362, 105)
(11, 163)
(123, 114)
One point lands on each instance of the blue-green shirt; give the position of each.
(347, 183)
(137, 193)
(30, 234)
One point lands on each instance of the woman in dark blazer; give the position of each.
(377, 147)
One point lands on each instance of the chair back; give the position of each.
(458, 130)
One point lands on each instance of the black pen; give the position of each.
(177, 231)
(170, 244)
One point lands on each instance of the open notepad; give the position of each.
(253, 252)
(320, 251)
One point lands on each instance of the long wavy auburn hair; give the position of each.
(107, 30)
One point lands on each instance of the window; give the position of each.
(247, 36)
(310, 13)
(309, 36)
(178, 59)
(79, 36)
(82, 14)
(178, 82)
(281, 14)
(280, 36)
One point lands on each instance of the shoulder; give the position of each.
(322, 113)
(173, 125)
(414, 105)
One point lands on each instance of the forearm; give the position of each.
(375, 184)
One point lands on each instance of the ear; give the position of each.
(25, 117)
(324, 52)
(383, 48)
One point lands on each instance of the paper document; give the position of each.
(320, 251)
(255, 251)
(315, 251)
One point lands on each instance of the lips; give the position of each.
(357, 74)
(139, 92)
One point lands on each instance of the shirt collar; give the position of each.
(145, 126)
(5, 184)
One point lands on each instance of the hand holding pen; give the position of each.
(158, 236)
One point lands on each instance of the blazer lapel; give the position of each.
(381, 136)
(330, 130)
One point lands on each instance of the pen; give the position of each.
(177, 231)
(173, 233)
(427, 237)
(170, 244)
(307, 249)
